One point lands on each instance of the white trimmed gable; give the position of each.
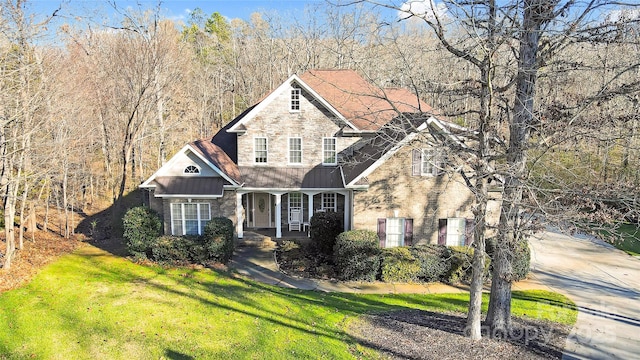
(183, 160)
(285, 89)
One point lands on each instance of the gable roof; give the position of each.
(257, 108)
(373, 152)
(216, 156)
(211, 154)
(367, 106)
(181, 186)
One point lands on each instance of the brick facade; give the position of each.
(425, 199)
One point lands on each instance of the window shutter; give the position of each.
(408, 232)
(442, 231)
(416, 162)
(382, 231)
(469, 231)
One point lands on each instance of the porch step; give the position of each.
(251, 239)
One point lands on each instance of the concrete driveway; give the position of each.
(605, 284)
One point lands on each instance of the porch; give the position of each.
(281, 214)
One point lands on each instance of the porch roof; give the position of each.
(319, 177)
(188, 186)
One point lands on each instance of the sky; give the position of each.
(180, 9)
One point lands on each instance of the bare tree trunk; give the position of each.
(536, 12)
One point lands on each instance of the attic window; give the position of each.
(295, 100)
(191, 169)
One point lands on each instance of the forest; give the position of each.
(92, 105)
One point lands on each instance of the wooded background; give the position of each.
(88, 111)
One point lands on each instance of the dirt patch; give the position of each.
(416, 334)
(46, 248)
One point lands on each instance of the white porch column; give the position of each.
(278, 216)
(347, 210)
(310, 196)
(240, 215)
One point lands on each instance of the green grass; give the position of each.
(625, 237)
(92, 305)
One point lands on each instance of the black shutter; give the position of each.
(442, 231)
(469, 228)
(408, 232)
(382, 231)
(416, 162)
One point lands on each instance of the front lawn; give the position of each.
(91, 304)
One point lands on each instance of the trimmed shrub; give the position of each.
(218, 239)
(325, 228)
(398, 265)
(520, 261)
(433, 261)
(357, 255)
(461, 260)
(172, 250)
(141, 227)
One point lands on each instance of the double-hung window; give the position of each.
(295, 99)
(260, 150)
(427, 162)
(295, 150)
(189, 218)
(329, 153)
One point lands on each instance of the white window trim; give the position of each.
(289, 150)
(461, 237)
(335, 201)
(335, 151)
(191, 173)
(401, 225)
(433, 161)
(255, 150)
(184, 221)
(294, 92)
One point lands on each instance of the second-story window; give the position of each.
(329, 155)
(295, 150)
(260, 150)
(295, 100)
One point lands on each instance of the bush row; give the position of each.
(357, 256)
(142, 230)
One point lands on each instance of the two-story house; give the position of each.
(327, 140)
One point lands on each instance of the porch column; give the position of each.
(347, 210)
(240, 215)
(278, 216)
(310, 196)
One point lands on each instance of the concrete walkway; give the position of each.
(604, 282)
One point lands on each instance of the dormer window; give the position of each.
(295, 100)
(191, 169)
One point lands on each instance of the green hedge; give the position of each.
(325, 228)
(218, 239)
(172, 250)
(399, 265)
(520, 260)
(461, 270)
(141, 227)
(433, 261)
(357, 255)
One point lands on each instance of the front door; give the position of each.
(261, 211)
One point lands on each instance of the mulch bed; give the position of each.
(416, 334)
(46, 248)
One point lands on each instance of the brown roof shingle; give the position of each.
(366, 106)
(197, 185)
(218, 157)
